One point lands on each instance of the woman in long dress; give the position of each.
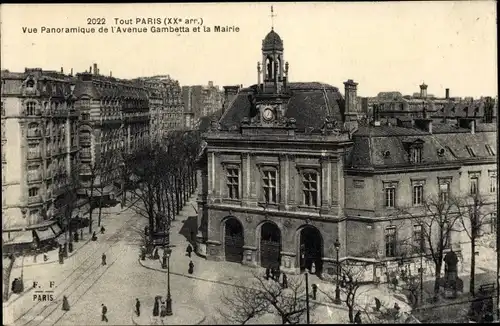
(163, 309)
(65, 305)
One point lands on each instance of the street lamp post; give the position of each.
(307, 300)
(169, 298)
(337, 287)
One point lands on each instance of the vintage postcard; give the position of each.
(249, 163)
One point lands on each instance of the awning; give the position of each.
(56, 229)
(45, 234)
(17, 237)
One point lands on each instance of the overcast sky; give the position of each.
(382, 46)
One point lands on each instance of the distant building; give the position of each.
(200, 101)
(395, 105)
(166, 107)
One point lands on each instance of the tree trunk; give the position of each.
(177, 196)
(100, 210)
(351, 314)
(472, 266)
(437, 277)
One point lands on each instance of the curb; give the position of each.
(235, 285)
(55, 261)
(132, 317)
(8, 303)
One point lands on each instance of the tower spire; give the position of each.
(272, 18)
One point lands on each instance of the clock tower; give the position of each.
(272, 93)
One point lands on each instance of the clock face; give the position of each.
(268, 114)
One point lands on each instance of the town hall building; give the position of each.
(292, 167)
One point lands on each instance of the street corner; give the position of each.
(183, 314)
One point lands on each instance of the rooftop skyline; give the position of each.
(382, 46)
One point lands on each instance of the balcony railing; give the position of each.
(34, 156)
(34, 199)
(84, 139)
(34, 178)
(34, 134)
(85, 154)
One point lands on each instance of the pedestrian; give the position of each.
(278, 274)
(285, 281)
(14, 285)
(94, 236)
(273, 273)
(45, 257)
(313, 268)
(189, 250)
(137, 307)
(191, 267)
(314, 291)
(104, 312)
(156, 307)
(103, 259)
(65, 305)
(102, 229)
(396, 307)
(268, 273)
(357, 318)
(163, 310)
(61, 257)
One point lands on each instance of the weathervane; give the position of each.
(272, 18)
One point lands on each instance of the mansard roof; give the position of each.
(310, 103)
(385, 146)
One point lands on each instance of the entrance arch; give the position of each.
(310, 249)
(270, 245)
(233, 240)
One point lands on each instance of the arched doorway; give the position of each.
(233, 240)
(270, 245)
(311, 249)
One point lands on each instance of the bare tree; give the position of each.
(69, 183)
(473, 217)
(150, 169)
(438, 218)
(249, 301)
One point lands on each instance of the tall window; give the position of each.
(390, 195)
(233, 182)
(310, 188)
(444, 190)
(418, 238)
(33, 192)
(493, 181)
(31, 108)
(269, 185)
(418, 193)
(474, 184)
(416, 154)
(390, 241)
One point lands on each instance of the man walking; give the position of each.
(104, 312)
(137, 307)
(103, 259)
(189, 250)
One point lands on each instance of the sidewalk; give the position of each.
(232, 274)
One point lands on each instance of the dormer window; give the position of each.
(386, 154)
(416, 154)
(440, 152)
(30, 83)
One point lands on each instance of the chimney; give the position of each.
(210, 84)
(110, 73)
(447, 93)
(71, 71)
(230, 92)
(62, 70)
(376, 118)
(90, 69)
(424, 124)
(351, 97)
(96, 72)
